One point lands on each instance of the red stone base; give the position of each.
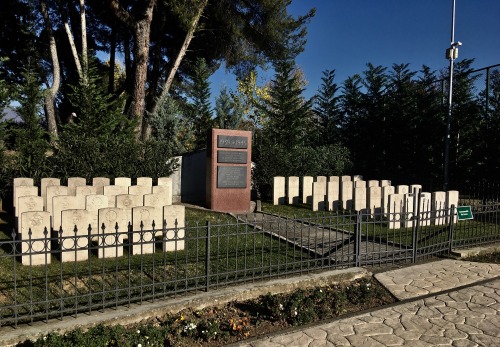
(221, 195)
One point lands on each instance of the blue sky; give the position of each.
(345, 35)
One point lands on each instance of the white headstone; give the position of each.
(438, 207)
(318, 203)
(21, 181)
(174, 216)
(144, 181)
(359, 198)
(111, 239)
(114, 190)
(23, 191)
(29, 203)
(359, 184)
(345, 192)
(35, 248)
(278, 190)
(93, 203)
(332, 195)
(164, 181)
(44, 183)
(128, 201)
(334, 179)
(123, 181)
(307, 189)
(74, 182)
(374, 200)
(372, 183)
(395, 210)
(87, 190)
(53, 191)
(409, 209)
(99, 183)
(156, 200)
(323, 180)
(384, 183)
(425, 209)
(293, 191)
(415, 188)
(166, 191)
(143, 235)
(74, 242)
(402, 189)
(65, 202)
(386, 191)
(452, 200)
(140, 190)
(345, 178)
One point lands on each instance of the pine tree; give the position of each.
(30, 138)
(327, 110)
(288, 113)
(166, 124)
(228, 110)
(200, 108)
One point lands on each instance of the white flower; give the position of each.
(139, 345)
(281, 307)
(321, 291)
(138, 331)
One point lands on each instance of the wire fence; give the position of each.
(80, 273)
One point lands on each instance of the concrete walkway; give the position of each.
(458, 316)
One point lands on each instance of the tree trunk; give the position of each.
(50, 96)
(184, 47)
(141, 29)
(73, 47)
(83, 22)
(177, 62)
(112, 57)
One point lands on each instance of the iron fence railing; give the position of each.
(109, 271)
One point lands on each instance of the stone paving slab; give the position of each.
(467, 317)
(423, 279)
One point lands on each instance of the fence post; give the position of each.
(207, 260)
(415, 225)
(451, 228)
(357, 239)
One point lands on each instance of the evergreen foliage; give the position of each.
(327, 110)
(31, 145)
(167, 124)
(200, 110)
(100, 141)
(228, 110)
(288, 114)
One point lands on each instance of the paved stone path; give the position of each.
(465, 317)
(418, 280)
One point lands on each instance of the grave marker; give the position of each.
(174, 217)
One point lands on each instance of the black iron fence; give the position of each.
(130, 267)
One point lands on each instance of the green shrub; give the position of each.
(279, 160)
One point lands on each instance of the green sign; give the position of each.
(464, 212)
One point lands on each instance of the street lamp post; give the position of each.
(451, 54)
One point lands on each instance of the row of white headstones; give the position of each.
(336, 193)
(66, 213)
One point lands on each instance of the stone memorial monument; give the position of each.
(228, 170)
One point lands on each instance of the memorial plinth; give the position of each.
(229, 170)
